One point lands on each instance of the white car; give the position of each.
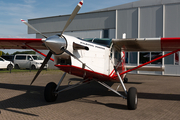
(28, 61)
(4, 64)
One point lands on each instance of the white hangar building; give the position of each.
(140, 19)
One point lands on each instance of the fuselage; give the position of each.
(99, 58)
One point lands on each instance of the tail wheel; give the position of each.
(132, 99)
(49, 94)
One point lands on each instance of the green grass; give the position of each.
(22, 70)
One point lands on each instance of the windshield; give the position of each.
(100, 41)
(37, 57)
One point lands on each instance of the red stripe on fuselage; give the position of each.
(84, 73)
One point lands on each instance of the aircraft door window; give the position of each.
(117, 56)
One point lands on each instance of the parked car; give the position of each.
(4, 64)
(28, 61)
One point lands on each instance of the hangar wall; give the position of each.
(82, 22)
(149, 20)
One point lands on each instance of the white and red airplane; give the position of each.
(92, 59)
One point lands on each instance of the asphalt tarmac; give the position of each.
(158, 98)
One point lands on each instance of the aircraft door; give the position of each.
(119, 60)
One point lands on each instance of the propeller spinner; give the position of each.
(55, 44)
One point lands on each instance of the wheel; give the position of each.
(17, 66)
(132, 99)
(49, 90)
(33, 67)
(10, 66)
(125, 80)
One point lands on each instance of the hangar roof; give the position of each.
(140, 3)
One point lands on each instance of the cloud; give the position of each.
(11, 9)
(11, 13)
(30, 1)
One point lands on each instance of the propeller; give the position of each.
(42, 66)
(53, 43)
(33, 28)
(69, 53)
(74, 13)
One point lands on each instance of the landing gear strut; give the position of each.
(132, 99)
(51, 90)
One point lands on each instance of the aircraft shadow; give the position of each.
(34, 96)
(134, 83)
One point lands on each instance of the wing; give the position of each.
(21, 43)
(147, 44)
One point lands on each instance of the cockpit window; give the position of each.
(100, 41)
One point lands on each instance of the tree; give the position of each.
(24, 52)
(7, 53)
(1, 53)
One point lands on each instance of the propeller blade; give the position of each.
(33, 28)
(74, 13)
(69, 53)
(42, 66)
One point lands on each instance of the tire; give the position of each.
(10, 66)
(33, 67)
(49, 94)
(17, 66)
(132, 99)
(125, 80)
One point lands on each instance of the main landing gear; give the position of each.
(132, 99)
(51, 91)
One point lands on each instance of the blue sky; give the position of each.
(11, 11)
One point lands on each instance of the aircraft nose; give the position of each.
(55, 44)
